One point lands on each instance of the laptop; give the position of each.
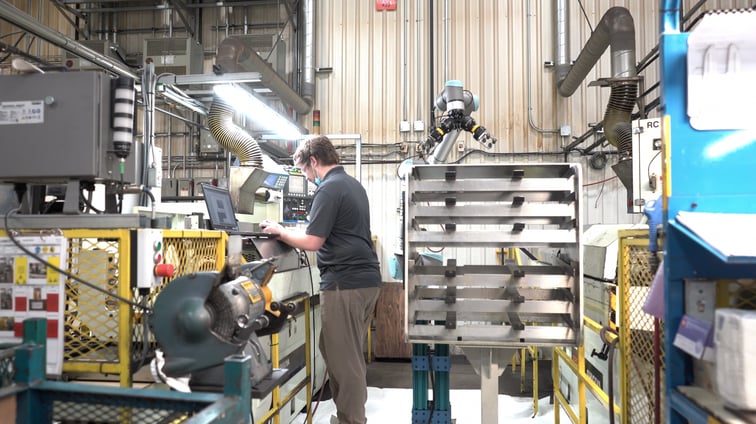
(222, 214)
(223, 217)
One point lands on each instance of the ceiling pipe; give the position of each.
(234, 55)
(27, 23)
(562, 41)
(308, 71)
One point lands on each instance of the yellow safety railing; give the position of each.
(584, 380)
(277, 402)
(638, 349)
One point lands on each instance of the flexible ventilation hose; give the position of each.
(617, 127)
(232, 137)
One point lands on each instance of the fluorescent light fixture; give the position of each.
(226, 78)
(263, 115)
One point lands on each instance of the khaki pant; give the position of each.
(346, 317)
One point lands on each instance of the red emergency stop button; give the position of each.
(164, 270)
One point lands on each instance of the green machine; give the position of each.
(200, 319)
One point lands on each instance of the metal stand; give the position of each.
(437, 410)
(489, 364)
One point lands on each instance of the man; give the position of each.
(339, 230)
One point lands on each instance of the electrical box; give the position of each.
(169, 188)
(147, 255)
(601, 243)
(209, 147)
(56, 127)
(198, 185)
(103, 47)
(180, 56)
(184, 187)
(647, 163)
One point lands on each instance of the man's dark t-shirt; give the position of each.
(341, 214)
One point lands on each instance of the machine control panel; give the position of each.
(149, 259)
(296, 209)
(297, 199)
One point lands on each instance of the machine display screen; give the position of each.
(275, 181)
(219, 207)
(297, 185)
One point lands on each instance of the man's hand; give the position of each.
(270, 227)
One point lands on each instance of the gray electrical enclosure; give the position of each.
(55, 127)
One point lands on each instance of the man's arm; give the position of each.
(293, 237)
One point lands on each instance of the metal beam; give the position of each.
(145, 8)
(26, 22)
(181, 9)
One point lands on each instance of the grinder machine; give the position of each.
(200, 319)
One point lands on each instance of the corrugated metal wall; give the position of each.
(498, 49)
(376, 70)
(381, 76)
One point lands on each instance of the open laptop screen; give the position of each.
(219, 207)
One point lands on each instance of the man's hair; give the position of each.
(319, 147)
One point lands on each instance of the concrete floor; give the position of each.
(398, 374)
(390, 394)
(395, 406)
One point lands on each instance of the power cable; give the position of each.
(610, 364)
(314, 335)
(433, 386)
(588, 21)
(10, 49)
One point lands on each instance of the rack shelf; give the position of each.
(709, 208)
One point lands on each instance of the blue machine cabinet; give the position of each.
(710, 175)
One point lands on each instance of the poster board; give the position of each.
(31, 289)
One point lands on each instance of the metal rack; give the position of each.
(36, 399)
(470, 212)
(494, 206)
(710, 204)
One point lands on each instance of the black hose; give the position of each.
(610, 364)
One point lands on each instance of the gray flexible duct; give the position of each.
(234, 55)
(615, 30)
(232, 137)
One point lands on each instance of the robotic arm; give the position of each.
(458, 103)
